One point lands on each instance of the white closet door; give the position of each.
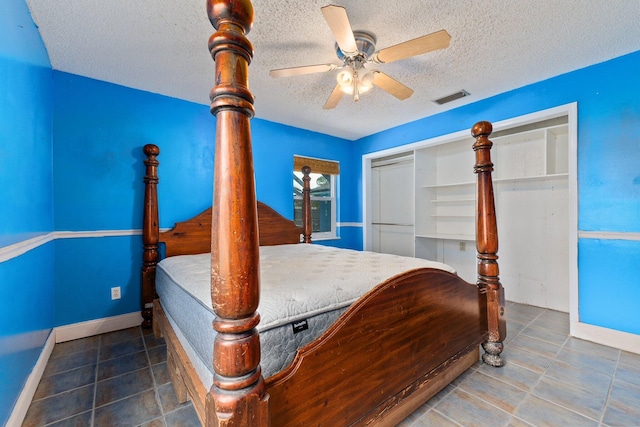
(392, 226)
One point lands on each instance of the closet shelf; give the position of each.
(445, 201)
(454, 184)
(444, 236)
(510, 179)
(452, 216)
(532, 177)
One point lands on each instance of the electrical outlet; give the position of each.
(463, 246)
(115, 293)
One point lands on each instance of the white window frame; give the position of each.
(326, 235)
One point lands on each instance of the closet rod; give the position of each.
(391, 223)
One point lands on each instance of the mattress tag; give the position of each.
(299, 326)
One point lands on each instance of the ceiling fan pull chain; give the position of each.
(356, 78)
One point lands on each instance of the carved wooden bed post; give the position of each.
(487, 246)
(237, 397)
(307, 226)
(150, 234)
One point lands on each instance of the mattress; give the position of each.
(304, 289)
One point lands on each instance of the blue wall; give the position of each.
(610, 283)
(26, 280)
(26, 318)
(608, 97)
(25, 126)
(99, 130)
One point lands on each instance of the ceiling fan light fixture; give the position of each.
(351, 82)
(345, 79)
(366, 82)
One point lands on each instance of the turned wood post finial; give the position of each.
(151, 150)
(481, 129)
(307, 226)
(232, 20)
(487, 245)
(238, 13)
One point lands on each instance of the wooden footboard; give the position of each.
(406, 340)
(406, 337)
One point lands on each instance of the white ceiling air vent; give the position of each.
(460, 94)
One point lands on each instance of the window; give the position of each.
(323, 189)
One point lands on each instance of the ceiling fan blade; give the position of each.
(334, 98)
(336, 17)
(430, 42)
(391, 85)
(307, 69)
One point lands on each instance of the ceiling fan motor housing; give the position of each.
(366, 43)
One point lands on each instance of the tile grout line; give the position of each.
(433, 407)
(529, 392)
(66, 391)
(477, 371)
(604, 407)
(457, 386)
(512, 415)
(496, 408)
(445, 417)
(148, 367)
(156, 392)
(98, 345)
(555, 358)
(613, 376)
(520, 332)
(95, 383)
(568, 409)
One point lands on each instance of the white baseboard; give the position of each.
(29, 390)
(96, 327)
(609, 337)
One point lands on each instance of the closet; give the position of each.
(532, 208)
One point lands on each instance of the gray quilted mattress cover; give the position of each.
(299, 283)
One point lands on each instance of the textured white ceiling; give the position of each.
(160, 46)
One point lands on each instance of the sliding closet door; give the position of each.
(392, 205)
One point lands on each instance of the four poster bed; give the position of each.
(346, 337)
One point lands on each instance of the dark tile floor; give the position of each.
(115, 379)
(550, 379)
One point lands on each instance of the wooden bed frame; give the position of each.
(384, 357)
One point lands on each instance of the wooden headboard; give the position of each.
(194, 235)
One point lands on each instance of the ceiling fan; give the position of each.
(356, 50)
